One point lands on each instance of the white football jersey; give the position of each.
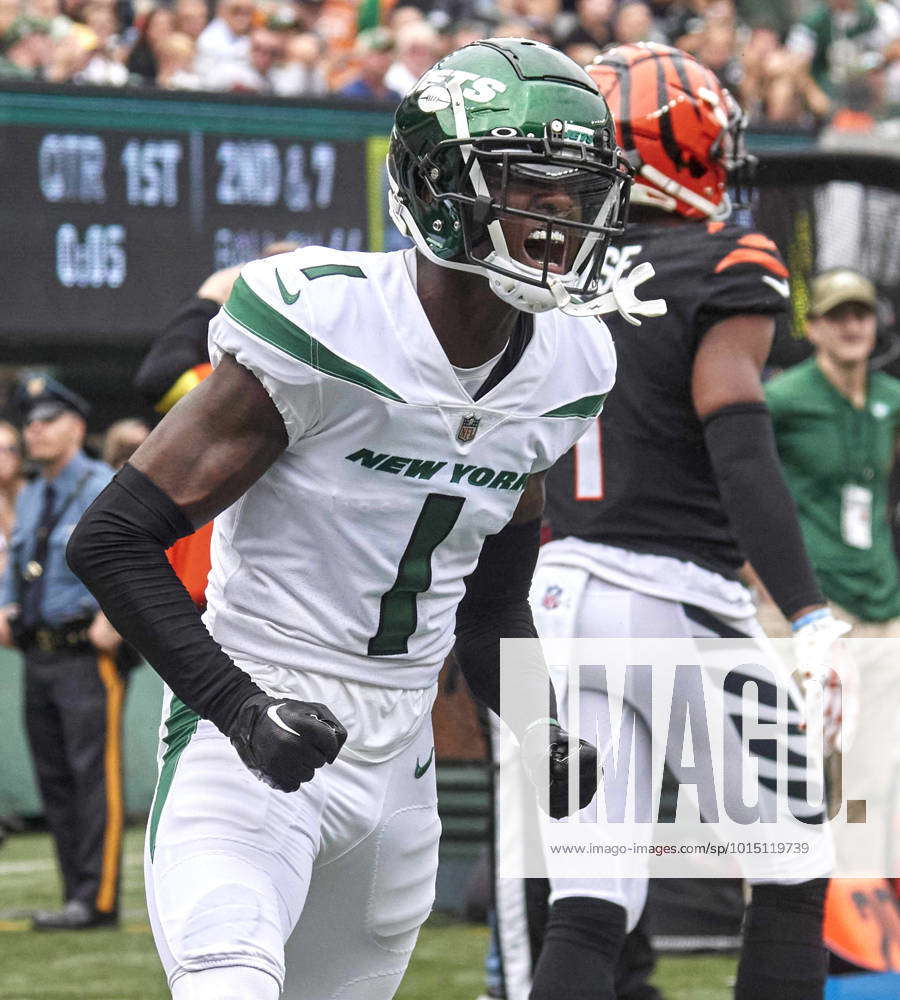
(348, 557)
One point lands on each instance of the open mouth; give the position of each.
(536, 249)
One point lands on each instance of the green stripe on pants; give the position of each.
(180, 727)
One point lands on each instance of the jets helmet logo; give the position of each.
(468, 428)
(479, 89)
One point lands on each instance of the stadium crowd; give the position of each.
(797, 70)
(794, 62)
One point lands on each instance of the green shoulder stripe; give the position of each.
(324, 270)
(244, 306)
(180, 727)
(587, 406)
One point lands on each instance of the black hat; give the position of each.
(40, 397)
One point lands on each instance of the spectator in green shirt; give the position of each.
(836, 425)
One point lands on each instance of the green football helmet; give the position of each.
(503, 161)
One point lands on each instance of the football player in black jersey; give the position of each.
(677, 484)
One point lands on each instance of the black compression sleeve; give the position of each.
(118, 550)
(760, 508)
(496, 606)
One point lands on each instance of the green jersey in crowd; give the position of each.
(837, 460)
(843, 45)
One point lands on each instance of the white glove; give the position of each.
(817, 652)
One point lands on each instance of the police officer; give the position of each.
(73, 691)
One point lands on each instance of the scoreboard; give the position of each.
(115, 206)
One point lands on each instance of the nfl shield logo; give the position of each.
(468, 427)
(551, 599)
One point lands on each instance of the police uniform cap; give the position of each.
(40, 397)
(833, 288)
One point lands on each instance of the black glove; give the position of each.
(542, 760)
(283, 741)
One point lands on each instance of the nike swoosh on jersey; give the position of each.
(422, 768)
(782, 287)
(289, 299)
(272, 713)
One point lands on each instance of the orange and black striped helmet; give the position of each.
(681, 130)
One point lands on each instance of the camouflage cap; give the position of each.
(834, 288)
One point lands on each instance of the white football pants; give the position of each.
(323, 889)
(596, 609)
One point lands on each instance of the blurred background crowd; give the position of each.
(796, 66)
(796, 62)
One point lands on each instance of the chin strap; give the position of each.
(622, 298)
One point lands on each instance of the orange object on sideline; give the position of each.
(862, 923)
(189, 556)
(847, 120)
(190, 559)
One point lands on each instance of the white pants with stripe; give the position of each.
(324, 889)
(570, 601)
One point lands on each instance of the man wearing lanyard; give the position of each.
(836, 424)
(73, 692)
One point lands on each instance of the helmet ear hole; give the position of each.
(695, 167)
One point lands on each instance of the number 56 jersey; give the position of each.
(348, 556)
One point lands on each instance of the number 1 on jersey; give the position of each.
(398, 617)
(589, 464)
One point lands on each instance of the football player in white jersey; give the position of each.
(371, 443)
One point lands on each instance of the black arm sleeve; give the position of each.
(180, 347)
(496, 606)
(118, 550)
(760, 508)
